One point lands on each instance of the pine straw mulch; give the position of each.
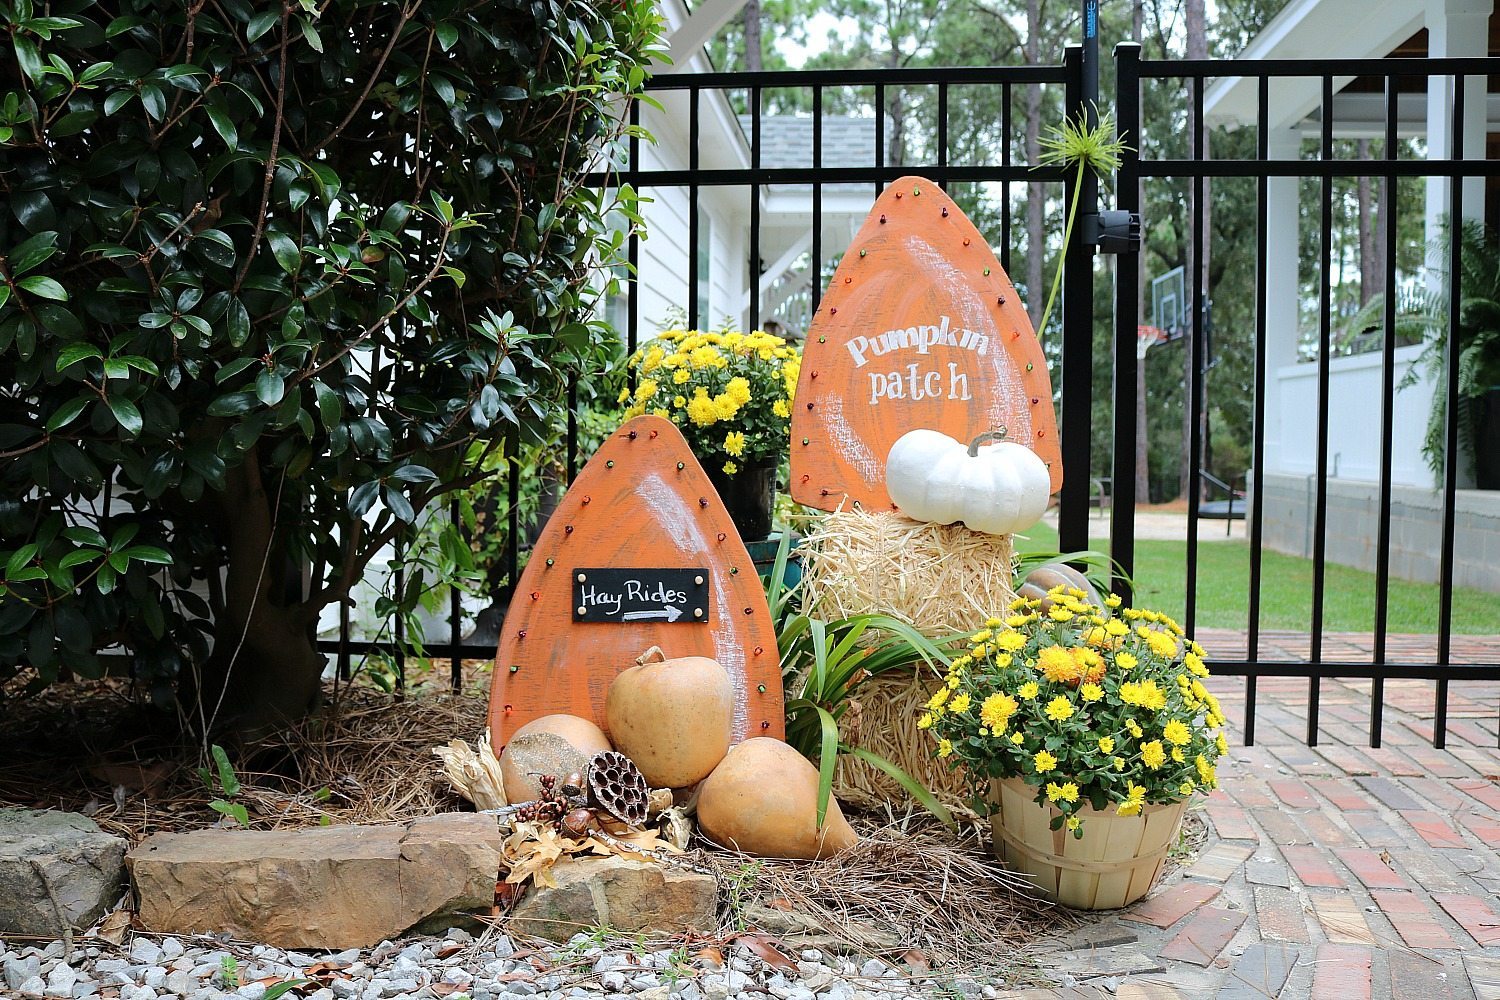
(911, 890)
(364, 758)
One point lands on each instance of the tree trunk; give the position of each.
(265, 670)
(1197, 263)
(895, 139)
(751, 13)
(1036, 194)
(1371, 241)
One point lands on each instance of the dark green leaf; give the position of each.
(32, 252)
(262, 23)
(224, 125)
(74, 353)
(286, 252)
(270, 387)
(44, 287)
(67, 413)
(126, 413)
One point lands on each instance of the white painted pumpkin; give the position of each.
(995, 486)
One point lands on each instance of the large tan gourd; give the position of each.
(554, 744)
(672, 717)
(763, 799)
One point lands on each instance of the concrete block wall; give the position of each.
(1416, 528)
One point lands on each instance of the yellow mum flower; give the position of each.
(1205, 770)
(730, 468)
(1060, 614)
(725, 407)
(1177, 755)
(992, 623)
(960, 703)
(945, 748)
(939, 696)
(653, 360)
(1091, 692)
(1152, 755)
(1221, 743)
(1070, 792)
(1161, 643)
(1017, 739)
(983, 635)
(996, 711)
(679, 401)
(1186, 788)
(624, 395)
(1011, 642)
(1060, 709)
(1028, 691)
(1054, 791)
(1134, 727)
(1106, 744)
(1116, 628)
(1057, 665)
(925, 722)
(1016, 621)
(1112, 601)
(701, 409)
(734, 443)
(1073, 822)
(738, 390)
(1043, 761)
(1194, 663)
(681, 375)
(663, 412)
(1128, 808)
(1176, 732)
(1119, 763)
(782, 409)
(1125, 661)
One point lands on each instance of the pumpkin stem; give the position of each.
(646, 656)
(986, 438)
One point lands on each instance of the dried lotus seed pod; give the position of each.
(618, 787)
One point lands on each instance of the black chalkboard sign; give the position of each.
(672, 596)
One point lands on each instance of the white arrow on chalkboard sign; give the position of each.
(670, 613)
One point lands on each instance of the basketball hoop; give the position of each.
(1147, 337)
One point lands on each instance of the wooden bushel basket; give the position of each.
(1115, 863)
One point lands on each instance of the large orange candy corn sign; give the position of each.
(920, 327)
(640, 553)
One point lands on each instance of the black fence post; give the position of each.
(1127, 308)
(1077, 348)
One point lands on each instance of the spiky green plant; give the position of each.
(1478, 341)
(1081, 148)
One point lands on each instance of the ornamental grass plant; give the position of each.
(730, 393)
(1092, 706)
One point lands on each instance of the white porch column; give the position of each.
(1283, 288)
(1456, 28)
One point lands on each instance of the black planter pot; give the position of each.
(748, 495)
(1487, 441)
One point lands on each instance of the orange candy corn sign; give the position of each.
(920, 327)
(640, 553)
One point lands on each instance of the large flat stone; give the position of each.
(620, 894)
(331, 887)
(56, 869)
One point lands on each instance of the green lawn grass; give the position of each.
(1286, 590)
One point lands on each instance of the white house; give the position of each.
(1324, 29)
(786, 271)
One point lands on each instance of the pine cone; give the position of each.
(617, 786)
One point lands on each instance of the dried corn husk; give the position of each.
(474, 774)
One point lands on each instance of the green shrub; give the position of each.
(264, 266)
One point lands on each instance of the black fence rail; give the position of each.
(1132, 72)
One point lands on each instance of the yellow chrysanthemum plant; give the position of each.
(1093, 706)
(730, 393)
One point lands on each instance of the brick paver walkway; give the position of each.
(1336, 872)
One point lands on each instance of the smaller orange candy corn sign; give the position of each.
(920, 327)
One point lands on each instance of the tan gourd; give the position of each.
(554, 744)
(763, 799)
(672, 717)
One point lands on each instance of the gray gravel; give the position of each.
(489, 968)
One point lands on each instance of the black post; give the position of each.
(1127, 308)
(1077, 341)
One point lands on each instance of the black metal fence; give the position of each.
(1132, 72)
(1075, 385)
